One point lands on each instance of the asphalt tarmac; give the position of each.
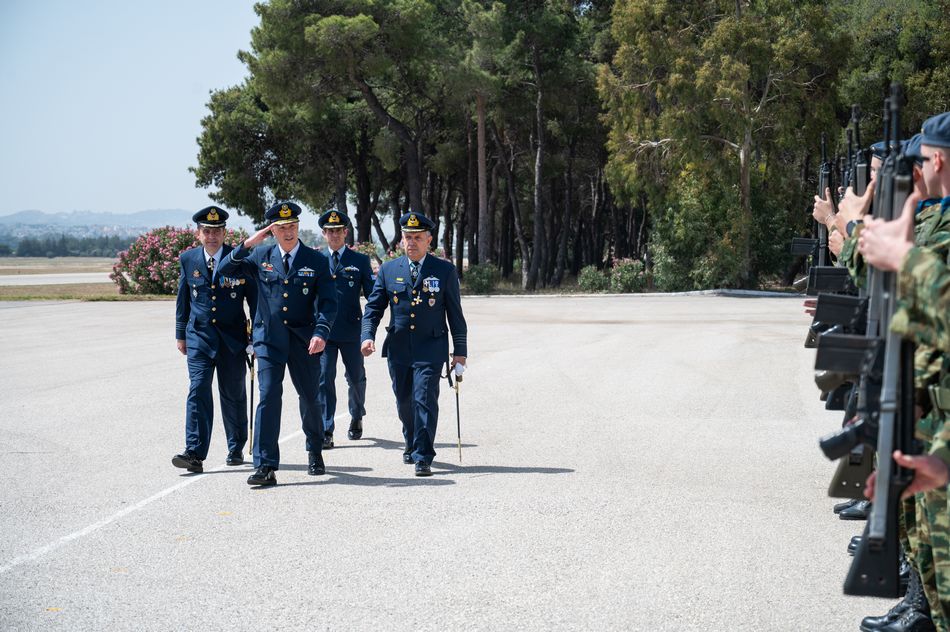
(629, 463)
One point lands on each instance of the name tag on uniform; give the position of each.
(430, 284)
(305, 272)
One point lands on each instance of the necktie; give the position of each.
(287, 263)
(414, 270)
(336, 260)
(211, 267)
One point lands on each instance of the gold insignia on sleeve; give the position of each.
(213, 215)
(285, 211)
(413, 221)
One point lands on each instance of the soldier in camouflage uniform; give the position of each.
(922, 267)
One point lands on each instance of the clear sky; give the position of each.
(101, 100)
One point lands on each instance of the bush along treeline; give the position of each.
(65, 246)
(567, 135)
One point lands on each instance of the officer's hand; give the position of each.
(317, 344)
(457, 359)
(835, 242)
(182, 346)
(258, 238)
(853, 207)
(368, 348)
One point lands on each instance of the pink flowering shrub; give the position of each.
(368, 248)
(150, 265)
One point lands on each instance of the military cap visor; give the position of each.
(936, 131)
(333, 219)
(210, 216)
(283, 213)
(415, 223)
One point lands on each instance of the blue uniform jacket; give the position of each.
(354, 275)
(211, 311)
(418, 314)
(299, 304)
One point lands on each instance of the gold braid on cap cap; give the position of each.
(285, 211)
(413, 221)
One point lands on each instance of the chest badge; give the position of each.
(233, 294)
(196, 274)
(430, 284)
(194, 293)
(267, 266)
(432, 302)
(305, 291)
(395, 300)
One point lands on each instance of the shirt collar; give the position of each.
(216, 256)
(340, 251)
(292, 253)
(421, 261)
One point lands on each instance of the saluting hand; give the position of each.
(317, 344)
(368, 348)
(258, 238)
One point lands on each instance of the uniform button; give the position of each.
(414, 292)
(212, 287)
(214, 297)
(412, 326)
(286, 295)
(285, 308)
(214, 320)
(214, 309)
(286, 281)
(332, 276)
(285, 322)
(412, 315)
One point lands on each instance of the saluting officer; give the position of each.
(353, 273)
(296, 307)
(422, 293)
(210, 329)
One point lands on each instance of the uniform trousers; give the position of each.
(355, 380)
(305, 374)
(417, 401)
(199, 408)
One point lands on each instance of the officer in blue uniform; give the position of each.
(422, 293)
(353, 273)
(210, 329)
(296, 307)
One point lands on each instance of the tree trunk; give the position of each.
(363, 190)
(566, 218)
(515, 210)
(470, 221)
(379, 233)
(745, 203)
(484, 214)
(489, 233)
(538, 244)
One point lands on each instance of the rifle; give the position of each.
(861, 161)
(886, 392)
(824, 182)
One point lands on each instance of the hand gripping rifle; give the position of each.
(886, 404)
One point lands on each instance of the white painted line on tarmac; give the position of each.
(66, 539)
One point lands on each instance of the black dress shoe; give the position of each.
(854, 544)
(838, 508)
(188, 460)
(407, 458)
(316, 467)
(235, 457)
(327, 440)
(423, 469)
(264, 476)
(356, 429)
(859, 511)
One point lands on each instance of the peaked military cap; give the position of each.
(415, 223)
(911, 148)
(936, 131)
(283, 213)
(878, 149)
(210, 216)
(333, 219)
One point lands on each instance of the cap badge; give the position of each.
(285, 211)
(413, 221)
(213, 215)
(334, 218)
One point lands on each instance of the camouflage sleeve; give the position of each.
(940, 447)
(851, 259)
(924, 296)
